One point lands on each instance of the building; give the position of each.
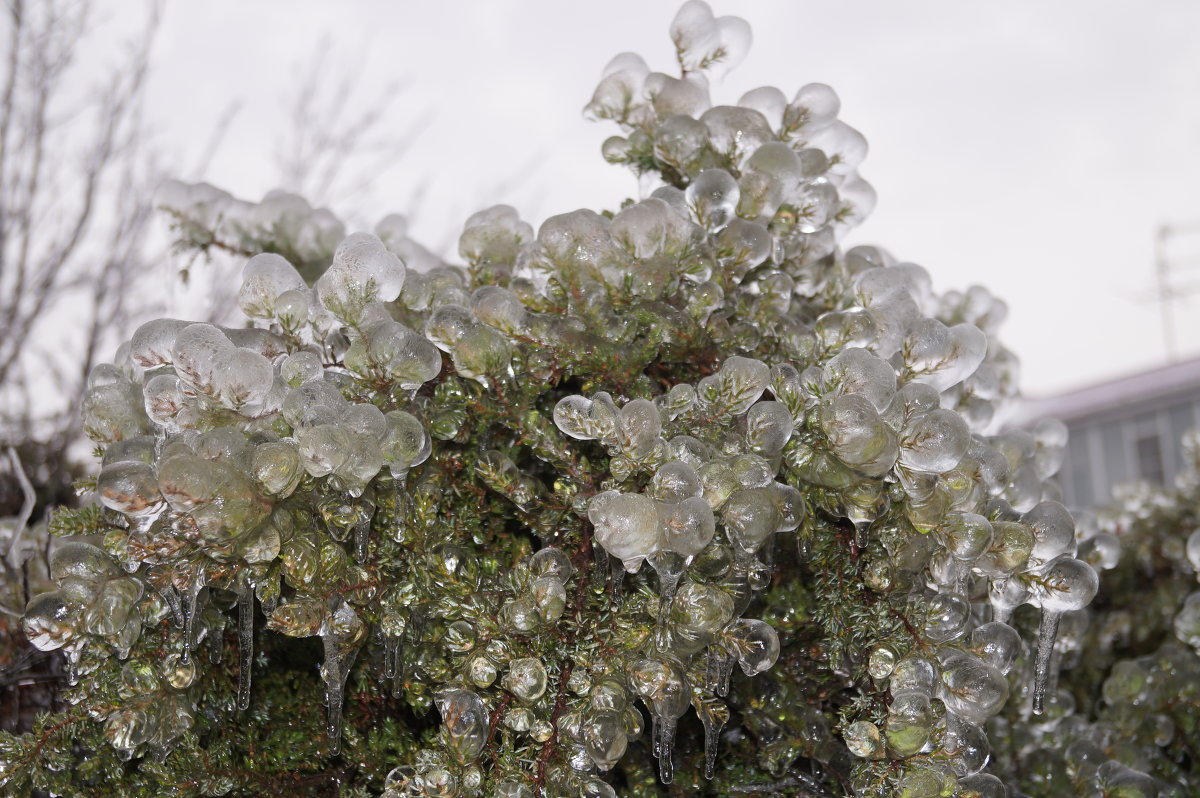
(1122, 430)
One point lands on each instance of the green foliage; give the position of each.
(515, 522)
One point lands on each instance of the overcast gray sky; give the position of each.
(1030, 146)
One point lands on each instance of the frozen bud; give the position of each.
(934, 442)
(942, 356)
(266, 343)
(365, 419)
(770, 176)
(163, 399)
(965, 535)
(363, 271)
(857, 371)
(864, 740)
(586, 419)
(1193, 551)
(620, 88)
(675, 481)
(551, 561)
(702, 608)
(493, 235)
(814, 107)
(997, 644)
(686, 527)
(324, 448)
(1186, 624)
(713, 197)
(668, 96)
(946, 618)
(47, 621)
(627, 526)
(881, 662)
(276, 468)
(679, 141)
(397, 354)
(1067, 584)
(1053, 531)
(735, 132)
(114, 411)
(550, 597)
(1102, 551)
(291, 309)
(604, 738)
(857, 435)
(200, 349)
(704, 42)
(405, 443)
(735, 387)
(448, 324)
(768, 101)
(638, 427)
(580, 240)
(913, 673)
(153, 343)
(482, 352)
(755, 643)
(972, 689)
(526, 679)
(264, 278)
(768, 428)
(663, 684)
(82, 561)
(129, 487)
(499, 308)
(1011, 544)
(909, 723)
(243, 379)
(465, 722)
(742, 245)
(751, 516)
(301, 367)
(112, 606)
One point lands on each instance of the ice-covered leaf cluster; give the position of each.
(543, 502)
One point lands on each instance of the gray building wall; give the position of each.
(1122, 430)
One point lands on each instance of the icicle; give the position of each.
(720, 666)
(360, 541)
(617, 568)
(664, 745)
(1041, 670)
(171, 596)
(245, 596)
(861, 538)
(73, 655)
(188, 610)
(669, 567)
(712, 740)
(599, 572)
(331, 671)
(216, 647)
(391, 652)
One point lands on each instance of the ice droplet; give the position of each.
(190, 606)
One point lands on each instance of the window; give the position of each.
(1149, 458)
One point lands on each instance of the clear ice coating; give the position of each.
(700, 381)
